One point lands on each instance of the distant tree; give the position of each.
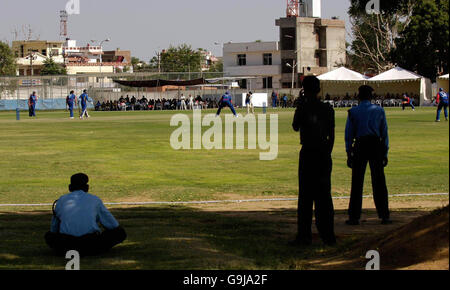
(52, 68)
(7, 60)
(179, 59)
(424, 45)
(375, 34)
(135, 61)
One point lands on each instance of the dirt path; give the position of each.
(403, 213)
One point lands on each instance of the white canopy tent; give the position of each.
(399, 81)
(442, 82)
(341, 81)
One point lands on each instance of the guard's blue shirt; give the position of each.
(71, 99)
(78, 214)
(84, 98)
(366, 119)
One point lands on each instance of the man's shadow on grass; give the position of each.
(181, 238)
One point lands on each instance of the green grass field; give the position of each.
(129, 158)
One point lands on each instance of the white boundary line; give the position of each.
(220, 201)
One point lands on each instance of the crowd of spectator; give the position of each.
(143, 104)
(279, 101)
(387, 100)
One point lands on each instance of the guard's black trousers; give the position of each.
(368, 150)
(88, 245)
(315, 189)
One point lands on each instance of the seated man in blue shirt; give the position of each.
(367, 141)
(75, 223)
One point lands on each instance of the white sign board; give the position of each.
(259, 100)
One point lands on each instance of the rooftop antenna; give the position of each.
(63, 24)
(293, 8)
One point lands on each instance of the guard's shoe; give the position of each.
(386, 222)
(352, 222)
(438, 120)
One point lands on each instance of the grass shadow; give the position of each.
(181, 238)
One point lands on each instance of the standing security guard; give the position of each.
(316, 122)
(367, 141)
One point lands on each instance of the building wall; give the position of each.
(51, 48)
(254, 52)
(111, 56)
(336, 48)
(307, 43)
(79, 69)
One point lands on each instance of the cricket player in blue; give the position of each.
(84, 98)
(71, 100)
(407, 101)
(226, 101)
(442, 101)
(32, 101)
(274, 99)
(367, 141)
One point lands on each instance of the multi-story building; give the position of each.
(308, 45)
(31, 55)
(93, 59)
(259, 61)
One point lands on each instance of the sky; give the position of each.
(147, 26)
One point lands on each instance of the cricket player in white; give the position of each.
(183, 102)
(249, 103)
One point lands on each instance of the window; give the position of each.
(44, 52)
(288, 38)
(267, 59)
(241, 59)
(243, 84)
(267, 83)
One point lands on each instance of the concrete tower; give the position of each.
(311, 8)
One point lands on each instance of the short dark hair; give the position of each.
(311, 84)
(365, 92)
(79, 182)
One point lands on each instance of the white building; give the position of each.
(254, 59)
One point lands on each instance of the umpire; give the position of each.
(367, 141)
(316, 122)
